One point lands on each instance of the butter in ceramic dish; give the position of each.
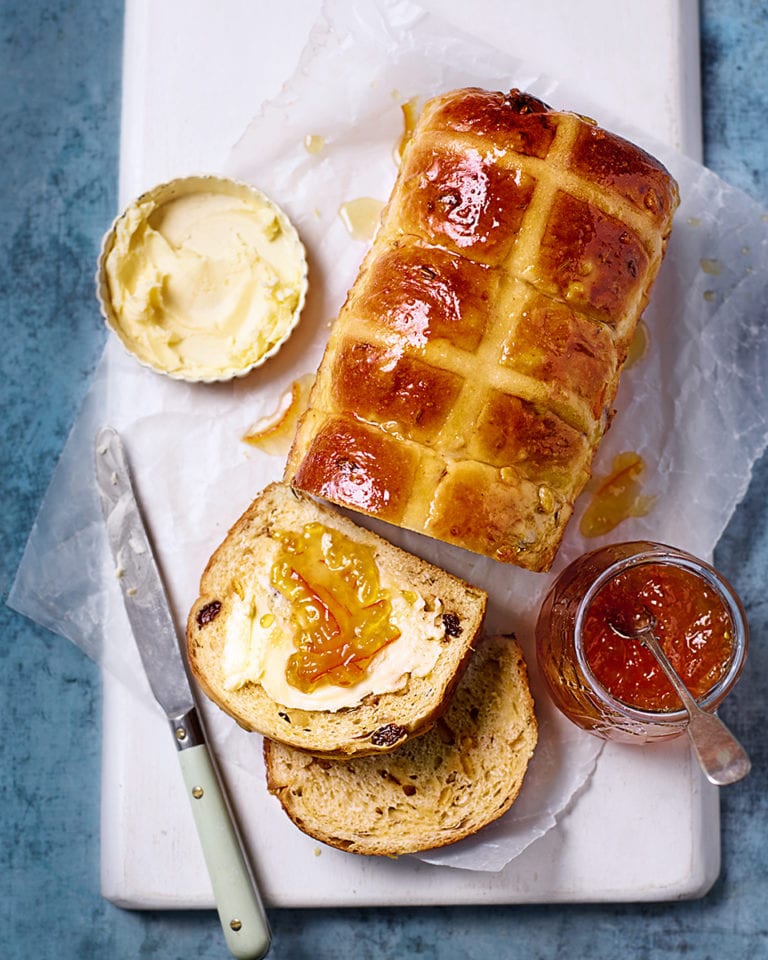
(202, 278)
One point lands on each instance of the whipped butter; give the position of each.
(259, 643)
(203, 278)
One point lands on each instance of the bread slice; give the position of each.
(406, 686)
(433, 790)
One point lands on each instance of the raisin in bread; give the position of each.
(343, 700)
(435, 789)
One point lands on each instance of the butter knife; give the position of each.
(238, 903)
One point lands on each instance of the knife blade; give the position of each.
(238, 902)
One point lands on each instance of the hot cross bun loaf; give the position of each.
(472, 369)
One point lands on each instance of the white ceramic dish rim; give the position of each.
(161, 192)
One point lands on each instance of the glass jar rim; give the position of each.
(645, 555)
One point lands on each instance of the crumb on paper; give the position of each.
(711, 266)
(137, 546)
(317, 851)
(119, 573)
(314, 143)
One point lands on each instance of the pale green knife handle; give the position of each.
(240, 908)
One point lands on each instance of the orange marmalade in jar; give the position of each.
(612, 685)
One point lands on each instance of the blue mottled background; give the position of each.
(59, 123)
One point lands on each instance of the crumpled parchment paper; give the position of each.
(694, 406)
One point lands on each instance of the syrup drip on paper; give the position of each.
(361, 217)
(410, 116)
(639, 346)
(616, 497)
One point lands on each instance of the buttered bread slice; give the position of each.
(321, 635)
(435, 789)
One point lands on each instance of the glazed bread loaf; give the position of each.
(433, 790)
(471, 372)
(318, 633)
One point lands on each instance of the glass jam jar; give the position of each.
(612, 686)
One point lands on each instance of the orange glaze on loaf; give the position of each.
(472, 370)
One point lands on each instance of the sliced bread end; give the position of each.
(433, 790)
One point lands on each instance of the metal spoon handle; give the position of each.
(720, 755)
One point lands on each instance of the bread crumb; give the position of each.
(317, 851)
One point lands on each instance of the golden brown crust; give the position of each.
(483, 339)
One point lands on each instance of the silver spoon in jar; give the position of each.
(720, 755)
